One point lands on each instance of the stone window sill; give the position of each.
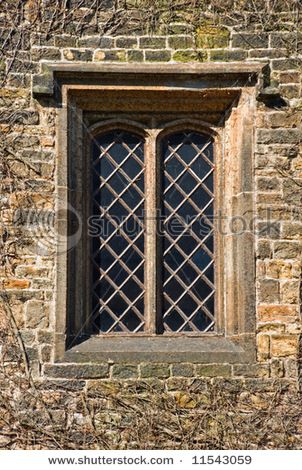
(205, 349)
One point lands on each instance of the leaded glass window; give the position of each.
(118, 251)
(183, 236)
(188, 252)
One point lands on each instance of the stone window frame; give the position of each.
(74, 89)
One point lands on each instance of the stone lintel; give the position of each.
(227, 74)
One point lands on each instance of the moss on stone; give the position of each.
(116, 55)
(209, 36)
(158, 56)
(178, 28)
(213, 370)
(189, 56)
(222, 55)
(181, 42)
(135, 56)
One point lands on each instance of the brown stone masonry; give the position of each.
(65, 70)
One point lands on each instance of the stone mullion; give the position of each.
(151, 244)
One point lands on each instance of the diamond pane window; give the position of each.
(188, 258)
(118, 250)
(147, 280)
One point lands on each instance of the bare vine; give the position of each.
(159, 419)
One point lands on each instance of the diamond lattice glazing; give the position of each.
(188, 238)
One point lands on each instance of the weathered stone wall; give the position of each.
(103, 404)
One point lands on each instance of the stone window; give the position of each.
(153, 258)
(169, 150)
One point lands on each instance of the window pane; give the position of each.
(118, 249)
(188, 205)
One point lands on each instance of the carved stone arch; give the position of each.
(196, 125)
(107, 125)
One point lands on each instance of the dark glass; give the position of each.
(118, 251)
(188, 240)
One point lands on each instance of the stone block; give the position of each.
(77, 371)
(251, 370)
(135, 56)
(225, 55)
(250, 40)
(45, 53)
(36, 314)
(28, 337)
(271, 313)
(45, 337)
(183, 370)
(32, 353)
(266, 53)
(285, 40)
(96, 42)
(268, 229)
(33, 271)
(178, 28)
(124, 371)
(285, 64)
(291, 368)
(152, 42)
(189, 56)
(46, 353)
(289, 77)
(180, 42)
(125, 43)
(263, 347)
(155, 370)
(211, 37)
(177, 384)
(65, 40)
(292, 230)
(157, 56)
(264, 249)
(268, 290)
(255, 385)
(213, 370)
(268, 184)
(279, 136)
(61, 385)
(290, 292)
(292, 191)
(40, 39)
(16, 284)
(287, 249)
(185, 400)
(284, 119)
(290, 91)
(284, 345)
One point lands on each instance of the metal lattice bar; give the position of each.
(188, 285)
(188, 290)
(118, 256)
(174, 242)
